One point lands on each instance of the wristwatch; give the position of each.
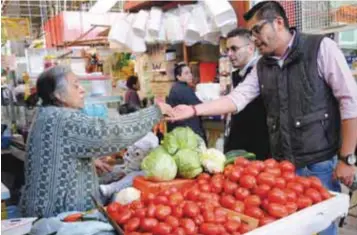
(349, 159)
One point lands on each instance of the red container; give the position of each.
(207, 72)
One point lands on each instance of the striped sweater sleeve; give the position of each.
(90, 136)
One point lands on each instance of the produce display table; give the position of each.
(309, 221)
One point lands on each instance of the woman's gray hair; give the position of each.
(53, 82)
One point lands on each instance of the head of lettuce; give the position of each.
(180, 138)
(159, 165)
(188, 163)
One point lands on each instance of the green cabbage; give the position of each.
(188, 163)
(213, 160)
(159, 165)
(180, 138)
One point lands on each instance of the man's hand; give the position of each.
(182, 112)
(102, 166)
(345, 173)
(166, 109)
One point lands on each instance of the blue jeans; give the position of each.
(324, 171)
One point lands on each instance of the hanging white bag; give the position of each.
(222, 11)
(139, 24)
(154, 21)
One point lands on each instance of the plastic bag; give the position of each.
(46, 226)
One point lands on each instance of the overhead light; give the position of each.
(102, 6)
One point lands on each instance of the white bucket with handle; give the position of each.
(221, 11)
(139, 24)
(154, 22)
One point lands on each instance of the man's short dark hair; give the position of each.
(268, 10)
(239, 32)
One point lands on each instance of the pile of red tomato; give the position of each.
(266, 191)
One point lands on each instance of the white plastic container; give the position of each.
(310, 220)
(208, 91)
(16, 226)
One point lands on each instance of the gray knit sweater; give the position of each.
(59, 171)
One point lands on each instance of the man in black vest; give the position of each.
(309, 94)
(245, 130)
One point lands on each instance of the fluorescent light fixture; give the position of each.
(102, 6)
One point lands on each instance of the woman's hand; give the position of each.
(102, 166)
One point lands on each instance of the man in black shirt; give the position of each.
(246, 130)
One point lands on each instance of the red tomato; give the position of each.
(235, 174)
(113, 208)
(204, 196)
(140, 213)
(229, 187)
(303, 181)
(216, 187)
(258, 164)
(204, 176)
(227, 201)
(303, 202)
(202, 181)
(265, 204)
(251, 170)
(296, 187)
(198, 220)
(161, 200)
(209, 229)
(123, 216)
(149, 198)
(286, 166)
(132, 225)
(147, 224)
(247, 181)
(290, 195)
(193, 194)
(241, 161)
(191, 210)
(162, 212)
(205, 188)
(274, 171)
(280, 182)
(277, 195)
(175, 199)
(220, 218)
(231, 226)
(227, 170)
(262, 190)
(189, 226)
(241, 193)
(244, 228)
(151, 210)
(252, 201)
(218, 177)
(277, 210)
(178, 231)
(177, 211)
(209, 216)
(315, 182)
(137, 205)
(324, 193)
(254, 212)
(172, 221)
(288, 176)
(271, 163)
(266, 220)
(314, 195)
(162, 229)
(238, 207)
(291, 207)
(266, 178)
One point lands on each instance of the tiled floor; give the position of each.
(350, 225)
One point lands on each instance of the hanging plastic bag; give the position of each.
(222, 11)
(139, 24)
(154, 21)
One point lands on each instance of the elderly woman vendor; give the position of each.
(59, 171)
